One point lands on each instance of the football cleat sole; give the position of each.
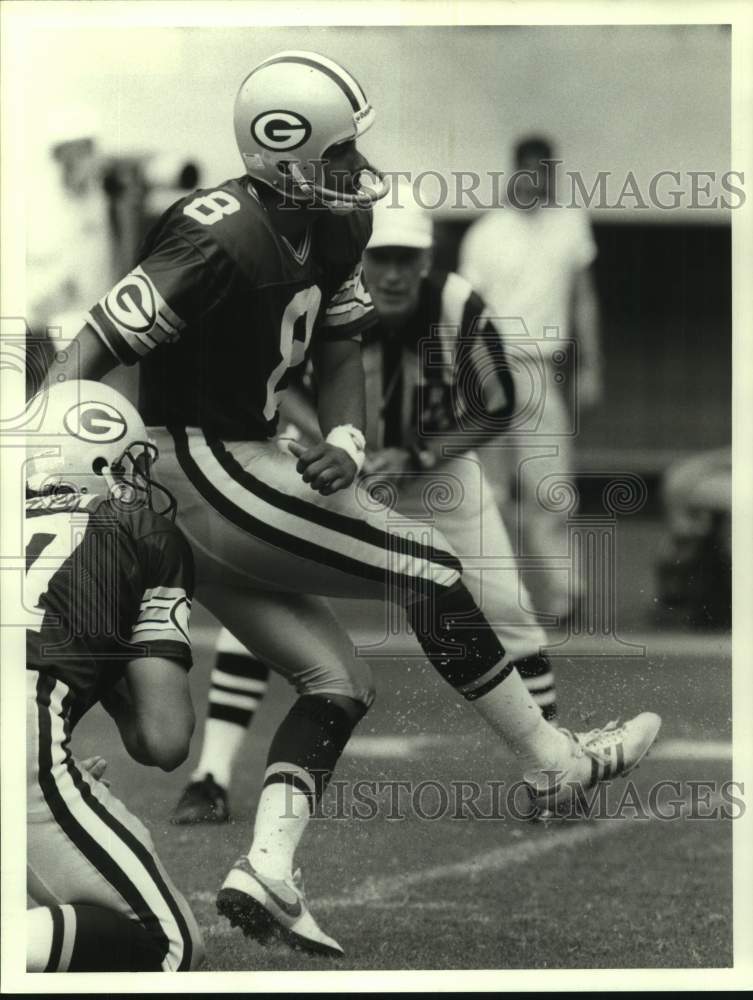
(251, 906)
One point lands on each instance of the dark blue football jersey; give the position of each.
(221, 307)
(103, 586)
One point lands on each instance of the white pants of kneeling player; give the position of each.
(84, 846)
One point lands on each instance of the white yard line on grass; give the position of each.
(378, 890)
(389, 891)
(410, 747)
(692, 750)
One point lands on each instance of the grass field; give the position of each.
(474, 893)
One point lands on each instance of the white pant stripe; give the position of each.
(69, 937)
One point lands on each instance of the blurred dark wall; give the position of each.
(665, 293)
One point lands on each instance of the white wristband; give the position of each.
(350, 439)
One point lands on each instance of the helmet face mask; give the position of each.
(91, 440)
(131, 484)
(290, 112)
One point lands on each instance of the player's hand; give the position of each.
(96, 767)
(387, 460)
(324, 466)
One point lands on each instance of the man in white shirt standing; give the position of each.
(531, 261)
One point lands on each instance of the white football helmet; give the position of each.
(289, 110)
(88, 438)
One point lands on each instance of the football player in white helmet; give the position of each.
(235, 286)
(88, 439)
(305, 148)
(108, 588)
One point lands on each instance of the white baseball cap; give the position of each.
(399, 221)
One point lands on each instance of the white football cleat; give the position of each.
(598, 755)
(264, 908)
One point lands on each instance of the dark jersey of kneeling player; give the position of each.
(105, 586)
(221, 306)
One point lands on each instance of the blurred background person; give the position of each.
(67, 242)
(531, 259)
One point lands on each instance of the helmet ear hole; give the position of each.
(98, 465)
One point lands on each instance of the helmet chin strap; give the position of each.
(369, 193)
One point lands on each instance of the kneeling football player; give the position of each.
(109, 584)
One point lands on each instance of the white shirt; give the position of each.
(523, 264)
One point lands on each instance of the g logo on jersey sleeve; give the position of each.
(280, 130)
(131, 303)
(95, 421)
(133, 318)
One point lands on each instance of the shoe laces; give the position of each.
(596, 742)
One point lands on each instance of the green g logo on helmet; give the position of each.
(95, 421)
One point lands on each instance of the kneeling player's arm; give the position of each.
(156, 716)
(161, 712)
(117, 703)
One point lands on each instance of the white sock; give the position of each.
(222, 741)
(38, 939)
(281, 818)
(511, 711)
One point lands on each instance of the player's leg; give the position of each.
(79, 937)
(276, 532)
(273, 531)
(474, 527)
(300, 638)
(84, 846)
(239, 682)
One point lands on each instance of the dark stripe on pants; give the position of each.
(97, 856)
(56, 946)
(274, 536)
(352, 527)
